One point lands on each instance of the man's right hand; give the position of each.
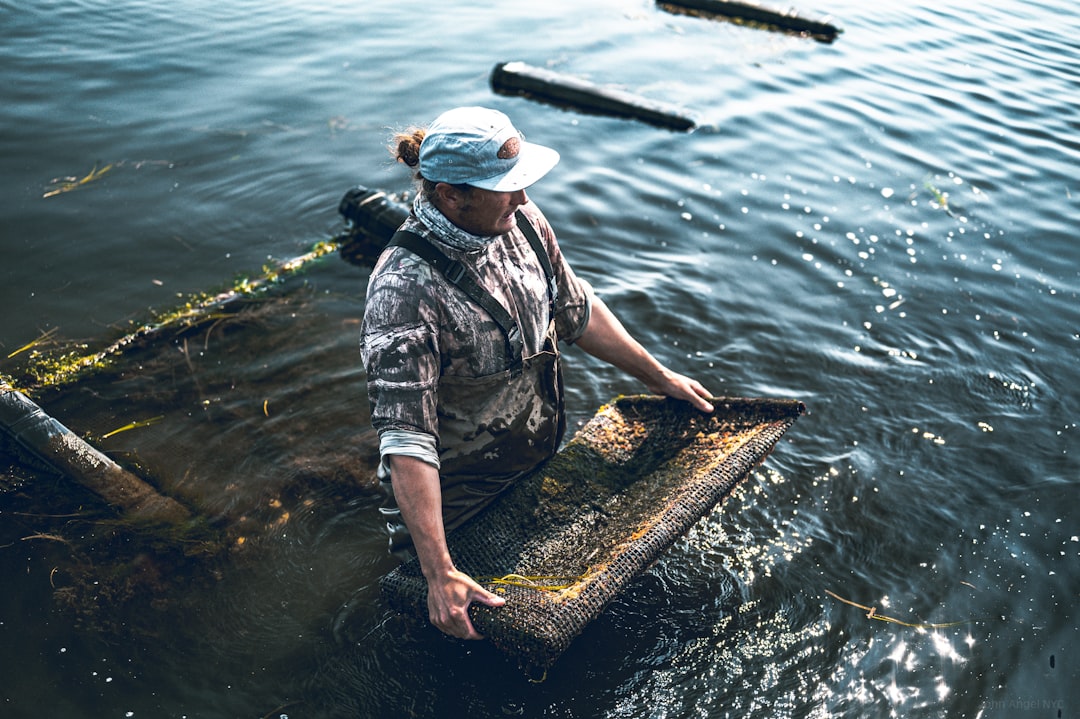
(449, 597)
(450, 592)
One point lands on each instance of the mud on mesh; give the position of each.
(576, 532)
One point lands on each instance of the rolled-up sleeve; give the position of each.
(399, 347)
(405, 443)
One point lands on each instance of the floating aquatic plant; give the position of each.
(61, 185)
(940, 197)
(871, 613)
(133, 425)
(45, 336)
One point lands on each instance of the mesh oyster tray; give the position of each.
(567, 539)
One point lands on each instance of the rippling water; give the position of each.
(881, 227)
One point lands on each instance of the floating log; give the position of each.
(518, 78)
(48, 440)
(788, 20)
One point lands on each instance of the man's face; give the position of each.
(487, 213)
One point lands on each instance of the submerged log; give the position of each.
(191, 314)
(518, 78)
(48, 440)
(373, 215)
(754, 13)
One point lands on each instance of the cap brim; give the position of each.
(534, 161)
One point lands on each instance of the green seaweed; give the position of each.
(52, 368)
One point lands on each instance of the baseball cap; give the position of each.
(480, 147)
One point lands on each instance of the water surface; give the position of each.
(880, 227)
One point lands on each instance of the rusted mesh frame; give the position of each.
(633, 480)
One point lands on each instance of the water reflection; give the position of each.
(898, 676)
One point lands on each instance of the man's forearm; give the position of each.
(605, 338)
(419, 497)
(418, 492)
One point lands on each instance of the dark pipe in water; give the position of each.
(373, 212)
(752, 12)
(373, 218)
(518, 78)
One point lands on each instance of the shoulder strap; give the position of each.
(541, 254)
(455, 273)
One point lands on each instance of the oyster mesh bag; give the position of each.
(568, 538)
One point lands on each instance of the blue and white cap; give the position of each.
(480, 147)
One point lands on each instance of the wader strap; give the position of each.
(455, 274)
(541, 254)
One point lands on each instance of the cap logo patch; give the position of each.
(510, 149)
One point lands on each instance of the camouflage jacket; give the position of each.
(421, 333)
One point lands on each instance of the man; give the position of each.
(464, 310)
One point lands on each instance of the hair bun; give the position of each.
(408, 147)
